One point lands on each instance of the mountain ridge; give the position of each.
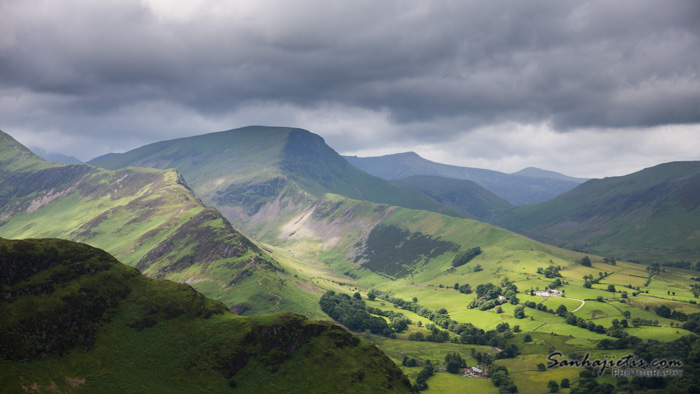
(148, 218)
(297, 213)
(655, 208)
(515, 189)
(254, 174)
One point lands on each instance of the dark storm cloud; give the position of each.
(85, 67)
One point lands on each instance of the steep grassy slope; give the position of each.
(466, 197)
(381, 245)
(275, 182)
(149, 219)
(255, 175)
(76, 320)
(517, 190)
(651, 215)
(15, 156)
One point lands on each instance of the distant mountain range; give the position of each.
(527, 186)
(53, 156)
(262, 177)
(650, 215)
(76, 320)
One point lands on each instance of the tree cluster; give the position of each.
(487, 296)
(352, 313)
(454, 362)
(421, 380)
(684, 264)
(585, 261)
(665, 311)
(465, 256)
(692, 323)
(610, 260)
(499, 378)
(550, 272)
(465, 288)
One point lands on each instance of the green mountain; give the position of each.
(516, 189)
(381, 245)
(651, 215)
(286, 188)
(257, 175)
(149, 219)
(466, 197)
(76, 320)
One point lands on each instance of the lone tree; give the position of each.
(553, 386)
(561, 311)
(585, 261)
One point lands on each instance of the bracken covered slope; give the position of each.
(147, 218)
(76, 320)
(257, 175)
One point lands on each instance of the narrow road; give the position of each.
(575, 299)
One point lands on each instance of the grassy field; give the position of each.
(549, 332)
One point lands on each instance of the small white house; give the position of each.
(548, 293)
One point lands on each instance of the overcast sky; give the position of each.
(586, 88)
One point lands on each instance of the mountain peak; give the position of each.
(14, 155)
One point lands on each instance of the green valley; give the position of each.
(402, 265)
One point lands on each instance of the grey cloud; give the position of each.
(456, 65)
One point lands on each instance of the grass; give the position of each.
(649, 215)
(314, 239)
(149, 219)
(443, 382)
(160, 336)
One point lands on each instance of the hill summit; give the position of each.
(257, 173)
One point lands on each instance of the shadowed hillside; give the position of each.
(651, 215)
(464, 196)
(76, 320)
